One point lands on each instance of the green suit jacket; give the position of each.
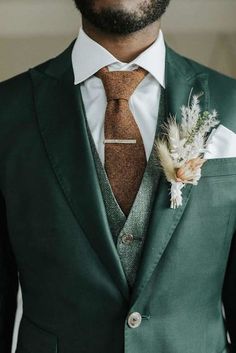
(55, 233)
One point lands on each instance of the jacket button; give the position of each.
(134, 320)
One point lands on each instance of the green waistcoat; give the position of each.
(130, 248)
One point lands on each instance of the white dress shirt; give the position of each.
(88, 57)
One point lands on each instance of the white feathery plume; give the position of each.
(190, 115)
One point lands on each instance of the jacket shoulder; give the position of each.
(18, 89)
(15, 98)
(16, 85)
(10, 88)
(214, 76)
(188, 65)
(16, 94)
(222, 94)
(221, 88)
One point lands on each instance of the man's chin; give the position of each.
(123, 21)
(118, 22)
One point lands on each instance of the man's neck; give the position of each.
(124, 48)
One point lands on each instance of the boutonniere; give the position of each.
(181, 148)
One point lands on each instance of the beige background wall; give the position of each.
(32, 31)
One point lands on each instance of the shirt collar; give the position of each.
(88, 57)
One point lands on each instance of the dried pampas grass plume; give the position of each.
(165, 159)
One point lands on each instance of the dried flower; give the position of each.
(190, 171)
(182, 146)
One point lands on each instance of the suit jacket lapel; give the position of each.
(60, 115)
(180, 80)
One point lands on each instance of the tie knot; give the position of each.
(120, 84)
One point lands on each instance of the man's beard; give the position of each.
(121, 21)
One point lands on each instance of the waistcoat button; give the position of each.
(134, 320)
(127, 239)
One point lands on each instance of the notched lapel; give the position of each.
(180, 81)
(61, 121)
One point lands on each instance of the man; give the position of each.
(105, 265)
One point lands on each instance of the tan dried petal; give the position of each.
(187, 173)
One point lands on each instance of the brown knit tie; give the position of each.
(125, 158)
